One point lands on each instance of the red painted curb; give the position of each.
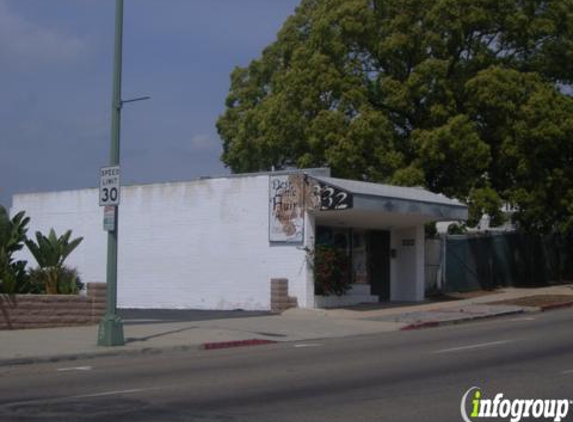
(236, 343)
(431, 324)
(552, 306)
(418, 325)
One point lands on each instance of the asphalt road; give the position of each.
(402, 376)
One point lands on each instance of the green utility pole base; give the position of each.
(111, 327)
(110, 331)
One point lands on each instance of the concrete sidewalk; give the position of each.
(54, 344)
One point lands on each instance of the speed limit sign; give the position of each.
(109, 186)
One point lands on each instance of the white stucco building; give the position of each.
(215, 243)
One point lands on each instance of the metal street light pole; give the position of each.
(111, 326)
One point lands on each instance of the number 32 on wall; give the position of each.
(333, 198)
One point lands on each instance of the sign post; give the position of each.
(111, 327)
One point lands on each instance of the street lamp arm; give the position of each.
(132, 100)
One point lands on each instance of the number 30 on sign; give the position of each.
(109, 186)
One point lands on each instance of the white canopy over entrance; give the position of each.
(391, 219)
(384, 206)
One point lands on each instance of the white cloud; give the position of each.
(25, 42)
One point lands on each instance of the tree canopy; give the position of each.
(470, 98)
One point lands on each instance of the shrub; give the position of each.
(457, 228)
(50, 252)
(55, 280)
(331, 270)
(13, 277)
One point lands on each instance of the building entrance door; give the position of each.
(379, 263)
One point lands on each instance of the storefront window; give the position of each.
(353, 243)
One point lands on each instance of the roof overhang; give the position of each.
(380, 206)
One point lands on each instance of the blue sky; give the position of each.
(56, 68)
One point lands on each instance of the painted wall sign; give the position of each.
(286, 222)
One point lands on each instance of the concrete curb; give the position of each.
(236, 343)
(433, 324)
(93, 355)
(551, 306)
(135, 352)
(419, 325)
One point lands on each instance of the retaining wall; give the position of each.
(41, 311)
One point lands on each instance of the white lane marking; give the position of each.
(308, 345)
(522, 319)
(473, 346)
(111, 393)
(570, 371)
(75, 368)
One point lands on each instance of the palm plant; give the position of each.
(50, 253)
(12, 237)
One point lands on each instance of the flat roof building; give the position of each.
(216, 243)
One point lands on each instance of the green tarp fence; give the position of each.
(486, 261)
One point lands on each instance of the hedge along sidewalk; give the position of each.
(41, 311)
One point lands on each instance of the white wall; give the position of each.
(201, 244)
(76, 210)
(407, 268)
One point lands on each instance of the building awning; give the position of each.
(374, 205)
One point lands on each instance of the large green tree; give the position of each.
(470, 98)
